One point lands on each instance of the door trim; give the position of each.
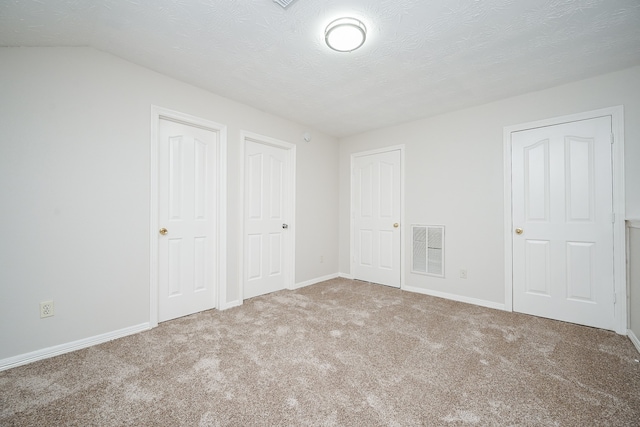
(290, 242)
(619, 256)
(220, 289)
(400, 147)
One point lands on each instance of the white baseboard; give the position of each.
(314, 281)
(56, 350)
(454, 297)
(634, 339)
(230, 304)
(346, 276)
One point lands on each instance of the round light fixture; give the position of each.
(345, 34)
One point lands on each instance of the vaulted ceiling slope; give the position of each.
(421, 57)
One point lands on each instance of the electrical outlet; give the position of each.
(46, 309)
(463, 273)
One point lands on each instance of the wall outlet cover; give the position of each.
(46, 309)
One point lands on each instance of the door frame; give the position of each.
(290, 237)
(352, 211)
(219, 292)
(619, 246)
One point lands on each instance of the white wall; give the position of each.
(74, 185)
(454, 175)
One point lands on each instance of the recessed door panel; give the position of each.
(538, 275)
(200, 264)
(255, 201)
(201, 189)
(536, 184)
(174, 262)
(386, 249)
(275, 254)
(275, 188)
(386, 188)
(176, 177)
(366, 190)
(580, 279)
(580, 181)
(254, 260)
(366, 243)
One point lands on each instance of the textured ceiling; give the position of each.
(421, 57)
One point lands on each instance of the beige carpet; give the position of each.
(339, 353)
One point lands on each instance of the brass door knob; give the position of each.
(396, 225)
(519, 230)
(163, 231)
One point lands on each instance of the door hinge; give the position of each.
(614, 298)
(612, 139)
(613, 217)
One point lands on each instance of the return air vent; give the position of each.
(427, 256)
(284, 3)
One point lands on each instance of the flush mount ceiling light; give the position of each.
(345, 34)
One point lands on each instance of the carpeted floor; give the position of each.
(338, 353)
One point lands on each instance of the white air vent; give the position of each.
(284, 3)
(427, 256)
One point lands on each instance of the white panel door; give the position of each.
(376, 208)
(186, 200)
(266, 218)
(562, 219)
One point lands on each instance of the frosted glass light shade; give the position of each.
(345, 34)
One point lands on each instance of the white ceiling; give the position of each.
(421, 57)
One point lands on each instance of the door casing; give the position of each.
(619, 245)
(352, 208)
(158, 113)
(290, 249)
